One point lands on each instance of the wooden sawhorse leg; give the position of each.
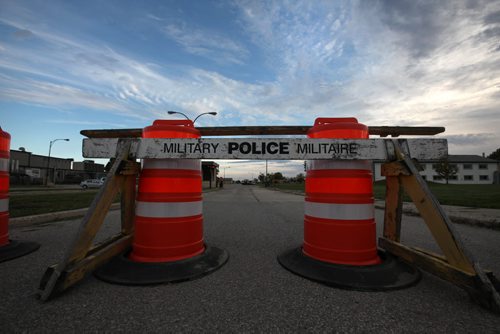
(457, 265)
(80, 258)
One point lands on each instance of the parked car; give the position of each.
(92, 183)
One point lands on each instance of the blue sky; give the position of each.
(72, 65)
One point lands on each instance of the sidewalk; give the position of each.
(481, 217)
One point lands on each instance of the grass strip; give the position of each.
(34, 204)
(469, 195)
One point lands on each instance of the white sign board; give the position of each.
(33, 172)
(266, 148)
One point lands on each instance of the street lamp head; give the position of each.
(67, 139)
(171, 112)
(213, 113)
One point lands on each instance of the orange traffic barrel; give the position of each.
(339, 222)
(169, 220)
(339, 246)
(168, 230)
(9, 249)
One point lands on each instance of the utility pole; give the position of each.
(48, 160)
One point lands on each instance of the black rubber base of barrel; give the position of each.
(122, 270)
(15, 249)
(391, 274)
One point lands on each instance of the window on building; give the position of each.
(435, 166)
(424, 166)
(436, 177)
(483, 178)
(468, 178)
(483, 166)
(424, 177)
(467, 166)
(452, 177)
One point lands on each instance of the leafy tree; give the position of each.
(300, 177)
(262, 178)
(278, 176)
(445, 169)
(495, 155)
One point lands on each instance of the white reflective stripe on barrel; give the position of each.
(339, 211)
(190, 164)
(4, 165)
(327, 164)
(168, 209)
(4, 205)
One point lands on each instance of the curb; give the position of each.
(53, 216)
(410, 210)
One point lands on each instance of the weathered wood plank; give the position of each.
(95, 217)
(433, 214)
(393, 212)
(79, 247)
(438, 224)
(96, 257)
(479, 285)
(128, 204)
(431, 264)
(264, 149)
(382, 131)
(74, 273)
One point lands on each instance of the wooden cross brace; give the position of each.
(81, 257)
(457, 265)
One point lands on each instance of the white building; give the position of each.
(472, 169)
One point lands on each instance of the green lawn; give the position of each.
(473, 195)
(38, 202)
(33, 204)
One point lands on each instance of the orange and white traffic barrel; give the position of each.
(4, 187)
(169, 219)
(339, 221)
(9, 249)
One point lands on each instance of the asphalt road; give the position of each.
(251, 293)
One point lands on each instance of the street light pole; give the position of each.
(265, 179)
(213, 113)
(171, 112)
(225, 171)
(48, 160)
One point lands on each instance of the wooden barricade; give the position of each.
(81, 258)
(456, 265)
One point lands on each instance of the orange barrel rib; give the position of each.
(169, 219)
(339, 222)
(4, 187)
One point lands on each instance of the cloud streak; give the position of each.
(208, 44)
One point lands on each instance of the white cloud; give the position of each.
(208, 44)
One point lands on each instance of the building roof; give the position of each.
(461, 159)
(470, 158)
(210, 163)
